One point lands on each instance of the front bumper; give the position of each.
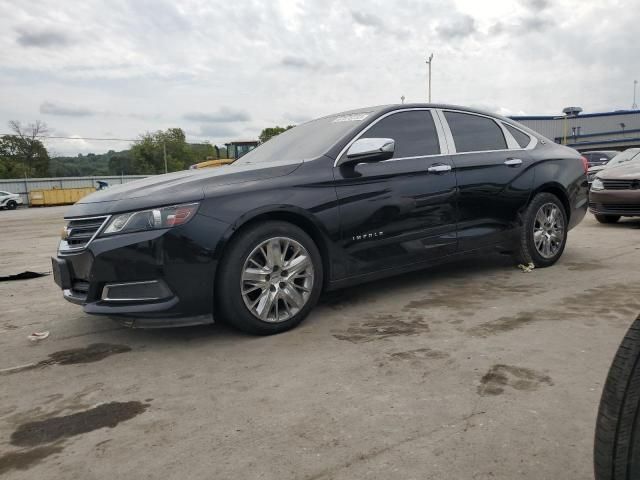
(159, 278)
(624, 203)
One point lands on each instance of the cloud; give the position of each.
(223, 115)
(216, 131)
(458, 27)
(367, 19)
(43, 38)
(370, 20)
(49, 108)
(537, 4)
(301, 64)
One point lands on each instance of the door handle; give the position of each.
(512, 162)
(439, 168)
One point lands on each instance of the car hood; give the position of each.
(174, 188)
(626, 171)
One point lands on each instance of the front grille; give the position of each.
(621, 208)
(80, 232)
(621, 184)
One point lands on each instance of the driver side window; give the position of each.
(414, 133)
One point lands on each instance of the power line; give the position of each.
(80, 138)
(96, 138)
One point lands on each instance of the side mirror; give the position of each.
(367, 150)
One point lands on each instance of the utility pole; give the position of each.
(635, 105)
(164, 151)
(429, 60)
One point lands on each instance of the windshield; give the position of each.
(626, 156)
(309, 140)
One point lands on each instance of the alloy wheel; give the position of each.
(277, 279)
(548, 230)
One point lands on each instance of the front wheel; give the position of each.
(11, 205)
(607, 218)
(269, 279)
(544, 231)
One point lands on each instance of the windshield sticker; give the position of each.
(354, 117)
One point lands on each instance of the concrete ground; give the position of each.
(473, 370)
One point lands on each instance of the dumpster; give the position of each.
(58, 196)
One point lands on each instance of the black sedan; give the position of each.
(334, 202)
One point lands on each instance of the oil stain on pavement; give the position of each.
(25, 459)
(384, 326)
(93, 353)
(51, 429)
(519, 378)
(419, 354)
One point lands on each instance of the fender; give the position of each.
(329, 250)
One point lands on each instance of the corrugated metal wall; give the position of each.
(589, 131)
(24, 186)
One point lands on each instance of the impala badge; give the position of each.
(367, 236)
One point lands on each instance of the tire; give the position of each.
(526, 250)
(607, 218)
(248, 251)
(616, 452)
(11, 205)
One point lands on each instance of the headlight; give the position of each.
(165, 217)
(597, 184)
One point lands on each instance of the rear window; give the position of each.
(522, 138)
(472, 133)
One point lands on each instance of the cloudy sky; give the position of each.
(224, 70)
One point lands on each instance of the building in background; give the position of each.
(588, 131)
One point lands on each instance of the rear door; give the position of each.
(493, 173)
(403, 210)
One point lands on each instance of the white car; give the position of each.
(9, 200)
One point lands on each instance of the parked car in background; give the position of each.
(9, 200)
(615, 192)
(333, 202)
(631, 154)
(599, 157)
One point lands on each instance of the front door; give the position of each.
(403, 210)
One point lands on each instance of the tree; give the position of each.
(22, 154)
(271, 132)
(147, 155)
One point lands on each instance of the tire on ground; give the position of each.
(526, 251)
(616, 452)
(228, 296)
(607, 218)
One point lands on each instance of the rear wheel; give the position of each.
(544, 231)
(11, 205)
(617, 443)
(607, 218)
(269, 279)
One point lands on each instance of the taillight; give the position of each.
(585, 164)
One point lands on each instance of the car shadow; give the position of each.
(221, 333)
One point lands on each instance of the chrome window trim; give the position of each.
(533, 141)
(512, 144)
(62, 249)
(105, 292)
(453, 151)
(354, 139)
